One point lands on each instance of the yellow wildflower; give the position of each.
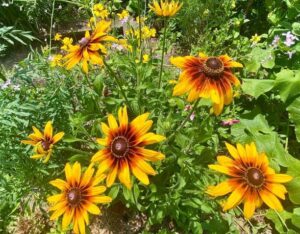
(56, 60)
(255, 38)
(124, 14)
(146, 58)
(100, 11)
(67, 43)
(57, 37)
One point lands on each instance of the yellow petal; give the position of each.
(271, 200)
(68, 215)
(60, 184)
(232, 150)
(55, 198)
(112, 122)
(249, 208)
(101, 199)
(124, 174)
(235, 198)
(76, 172)
(279, 178)
(48, 131)
(99, 156)
(138, 173)
(220, 168)
(92, 208)
(144, 166)
(111, 177)
(220, 190)
(57, 137)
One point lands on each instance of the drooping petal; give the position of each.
(124, 174)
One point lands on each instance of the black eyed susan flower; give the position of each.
(252, 180)
(206, 77)
(43, 142)
(91, 47)
(79, 195)
(165, 8)
(124, 150)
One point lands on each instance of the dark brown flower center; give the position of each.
(46, 145)
(84, 41)
(119, 147)
(254, 177)
(74, 196)
(213, 67)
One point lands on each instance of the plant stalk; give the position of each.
(118, 83)
(162, 53)
(51, 24)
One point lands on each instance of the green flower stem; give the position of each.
(282, 221)
(140, 29)
(163, 52)
(113, 74)
(74, 150)
(184, 121)
(51, 23)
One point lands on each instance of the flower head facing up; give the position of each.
(91, 47)
(43, 142)
(206, 77)
(79, 195)
(124, 150)
(165, 8)
(253, 181)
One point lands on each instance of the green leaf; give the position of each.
(296, 28)
(268, 141)
(296, 217)
(256, 87)
(287, 83)
(71, 139)
(273, 216)
(294, 115)
(113, 193)
(294, 190)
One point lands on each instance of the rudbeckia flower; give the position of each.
(252, 181)
(124, 150)
(206, 77)
(165, 8)
(43, 142)
(79, 195)
(91, 47)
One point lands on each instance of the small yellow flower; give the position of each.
(100, 11)
(143, 19)
(56, 60)
(43, 142)
(255, 38)
(165, 8)
(137, 61)
(57, 37)
(124, 14)
(67, 43)
(146, 58)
